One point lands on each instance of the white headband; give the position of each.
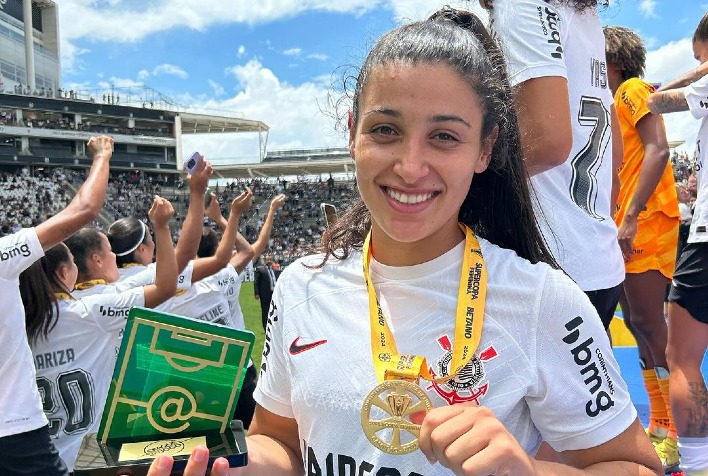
(140, 242)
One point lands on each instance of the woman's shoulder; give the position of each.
(505, 265)
(317, 264)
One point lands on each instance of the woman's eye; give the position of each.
(384, 130)
(444, 136)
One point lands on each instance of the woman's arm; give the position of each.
(166, 263)
(204, 267)
(88, 201)
(656, 154)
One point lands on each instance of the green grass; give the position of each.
(252, 316)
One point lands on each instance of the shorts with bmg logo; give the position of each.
(689, 288)
(655, 245)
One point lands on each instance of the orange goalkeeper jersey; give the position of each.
(631, 104)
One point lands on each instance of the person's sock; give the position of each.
(662, 376)
(658, 424)
(694, 455)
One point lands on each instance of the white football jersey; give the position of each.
(75, 364)
(20, 404)
(542, 39)
(544, 365)
(697, 98)
(204, 301)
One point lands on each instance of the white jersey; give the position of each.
(143, 275)
(544, 365)
(204, 301)
(75, 365)
(230, 282)
(697, 99)
(540, 39)
(20, 404)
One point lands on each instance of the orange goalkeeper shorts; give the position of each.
(655, 245)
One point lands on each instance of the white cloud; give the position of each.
(241, 51)
(647, 8)
(298, 115)
(664, 64)
(409, 10)
(318, 56)
(78, 18)
(293, 52)
(143, 74)
(171, 70)
(216, 87)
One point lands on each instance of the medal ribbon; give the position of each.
(62, 296)
(89, 284)
(469, 317)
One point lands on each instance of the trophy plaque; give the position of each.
(175, 385)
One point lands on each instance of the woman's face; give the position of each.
(146, 250)
(109, 268)
(70, 273)
(700, 51)
(416, 145)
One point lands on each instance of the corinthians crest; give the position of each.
(469, 385)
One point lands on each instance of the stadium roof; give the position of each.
(203, 124)
(292, 162)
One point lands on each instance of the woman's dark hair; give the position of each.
(579, 5)
(38, 283)
(498, 205)
(125, 235)
(625, 49)
(208, 243)
(82, 245)
(701, 33)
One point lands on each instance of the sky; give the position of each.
(285, 62)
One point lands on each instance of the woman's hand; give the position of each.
(243, 202)
(470, 440)
(160, 212)
(196, 466)
(625, 236)
(199, 180)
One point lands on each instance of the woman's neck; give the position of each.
(390, 252)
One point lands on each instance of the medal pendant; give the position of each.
(387, 408)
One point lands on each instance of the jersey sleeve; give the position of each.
(18, 251)
(184, 280)
(529, 32)
(580, 400)
(697, 97)
(144, 277)
(633, 99)
(273, 391)
(110, 310)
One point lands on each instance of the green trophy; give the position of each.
(175, 386)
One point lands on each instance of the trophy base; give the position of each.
(99, 459)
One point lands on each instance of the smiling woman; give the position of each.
(439, 273)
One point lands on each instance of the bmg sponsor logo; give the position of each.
(549, 25)
(587, 361)
(15, 251)
(110, 312)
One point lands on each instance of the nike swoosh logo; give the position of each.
(296, 348)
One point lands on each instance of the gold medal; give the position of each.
(399, 396)
(396, 401)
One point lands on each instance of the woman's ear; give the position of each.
(486, 152)
(352, 133)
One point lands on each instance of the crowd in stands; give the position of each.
(30, 198)
(297, 227)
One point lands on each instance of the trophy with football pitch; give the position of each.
(175, 386)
